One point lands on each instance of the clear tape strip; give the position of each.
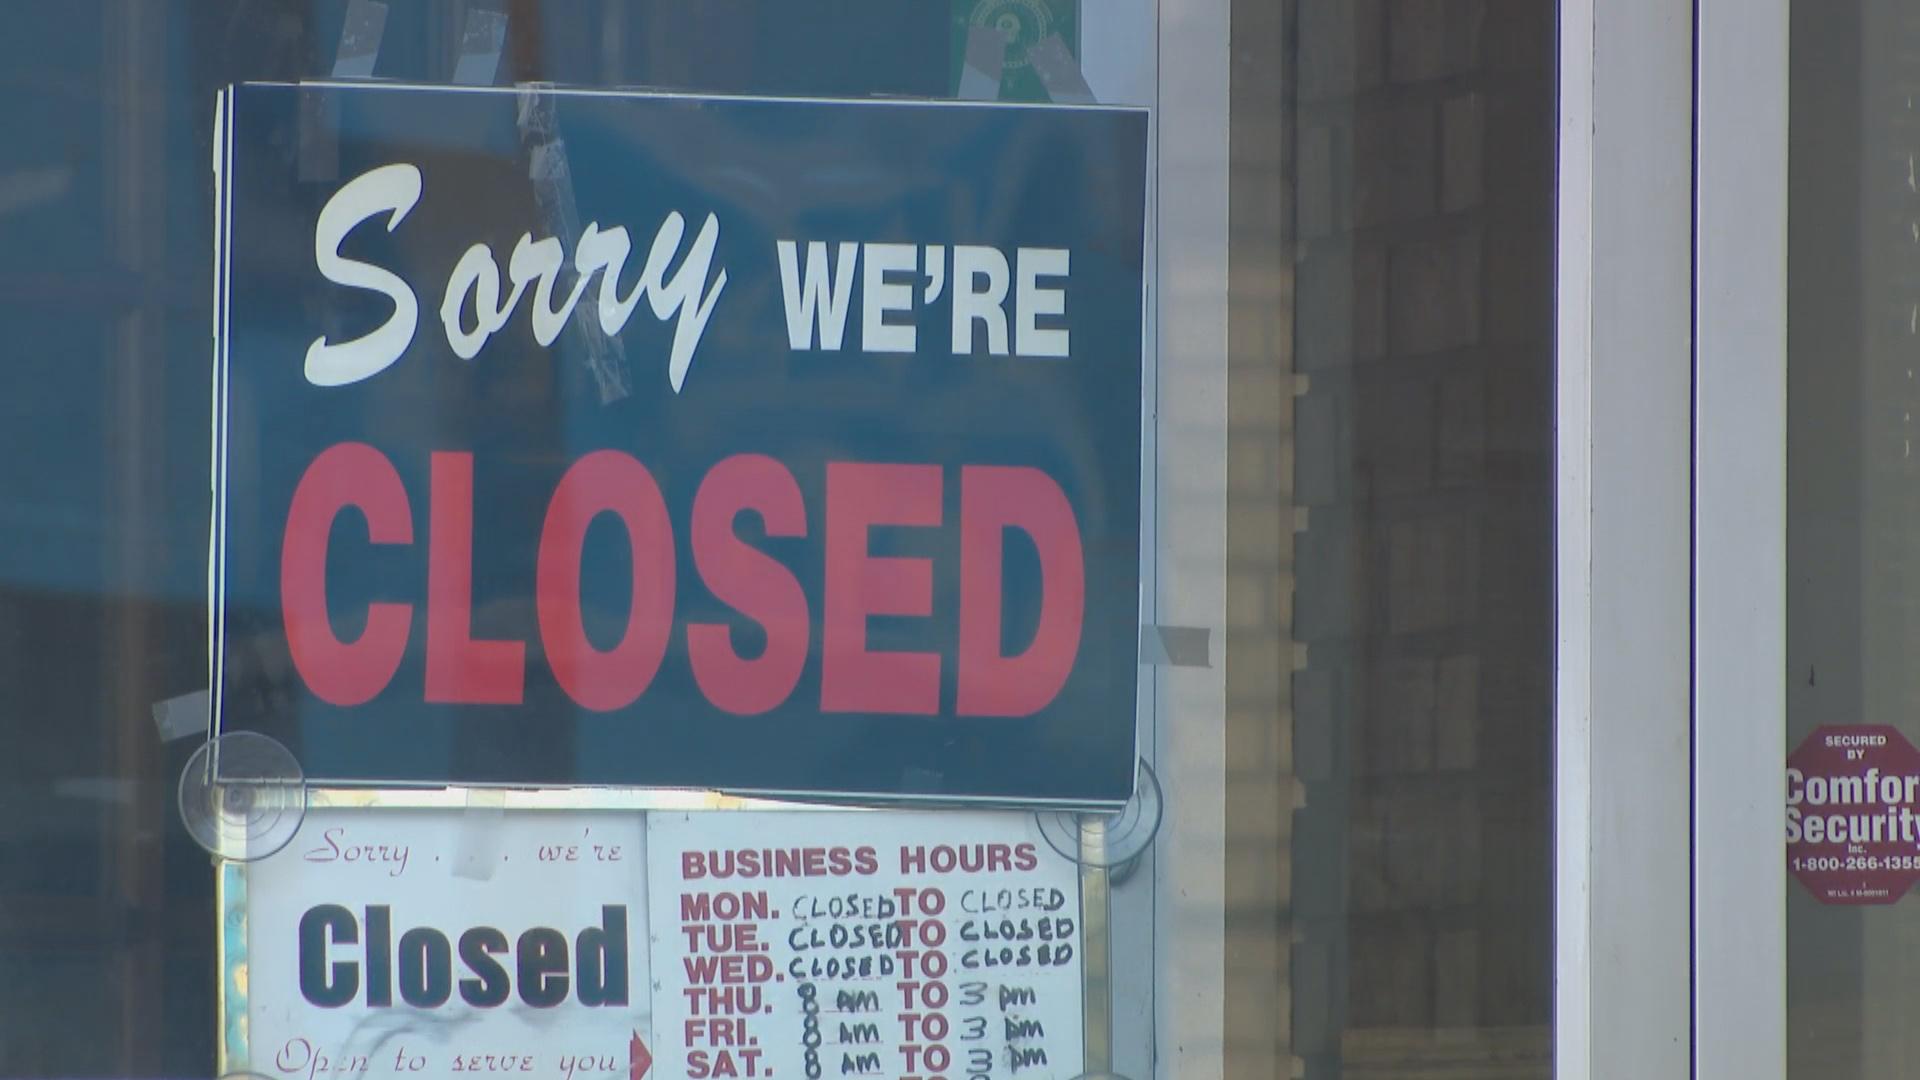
(481, 43)
(476, 854)
(1059, 72)
(552, 177)
(984, 65)
(1176, 646)
(179, 717)
(360, 35)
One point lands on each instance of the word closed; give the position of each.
(860, 497)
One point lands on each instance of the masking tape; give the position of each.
(477, 850)
(179, 717)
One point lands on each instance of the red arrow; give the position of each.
(638, 1060)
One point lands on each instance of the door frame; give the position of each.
(1669, 554)
(1740, 522)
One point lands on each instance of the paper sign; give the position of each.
(814, 945)
(376, 948)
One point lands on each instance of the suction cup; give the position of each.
(1107, 840)
(242, 796)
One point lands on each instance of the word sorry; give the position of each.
(394, 190)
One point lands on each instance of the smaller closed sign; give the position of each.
(1853, 814)
(391, 943)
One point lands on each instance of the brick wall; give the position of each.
(1389, 538)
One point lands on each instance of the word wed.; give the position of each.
(394, 190)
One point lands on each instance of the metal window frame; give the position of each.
(1670, 700)
(1739, 561)
(1624, 501)
(1189, 248)
(1670, 522)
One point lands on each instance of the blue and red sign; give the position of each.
(587, 438)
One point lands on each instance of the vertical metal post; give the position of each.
(1096, 959)
(1189, 481)
(1623, 481)
(1740, 538)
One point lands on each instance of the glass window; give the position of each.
(1383, 903)
(1851, 399)
(1389, 499)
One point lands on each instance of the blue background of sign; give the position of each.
(916, 173)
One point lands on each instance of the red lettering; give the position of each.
(857, 586)
(994, 499)
(906, 958)
(605, 481)
(459, 669)
(852, 678)
(342, 673)
(749, 581)
(999, 857)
